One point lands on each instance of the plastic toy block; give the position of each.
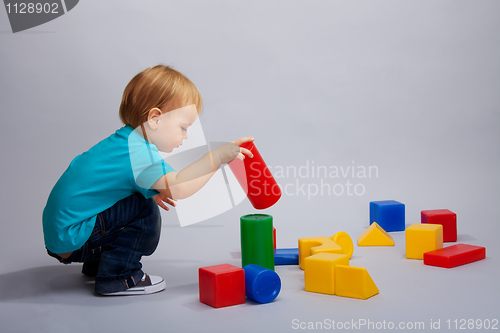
(421, 238)
(274, 237)
(375, 236)
(286, 256)
(319, 272)
(255, 178)
(343, 239)
(455, 255)
(446, 218)
(221, 285)
(257, 240)
(261, 284)
(389, 214)
(354, 282)
(312, 245)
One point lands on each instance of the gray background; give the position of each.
(411, 87)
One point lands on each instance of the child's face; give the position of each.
(172, 127)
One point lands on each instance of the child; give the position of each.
(103, 211)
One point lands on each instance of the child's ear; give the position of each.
(154, 117)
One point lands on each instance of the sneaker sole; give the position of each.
(155, 288)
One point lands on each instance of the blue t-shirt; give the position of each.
(115, 168)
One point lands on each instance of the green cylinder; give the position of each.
(257, 246)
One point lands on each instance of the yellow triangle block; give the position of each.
(375, 236)
(354, 282)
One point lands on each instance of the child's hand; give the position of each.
(161, 198)
(230, 151)
(243, 150)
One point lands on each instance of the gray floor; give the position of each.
(50, 297)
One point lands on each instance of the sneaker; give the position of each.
(149, 284)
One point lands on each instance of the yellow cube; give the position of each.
(354, 282)
(319, 271)
(312, 245)
(421, 238)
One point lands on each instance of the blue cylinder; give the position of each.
(261, 284)
(286, 256)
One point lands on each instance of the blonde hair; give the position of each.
(156, 87)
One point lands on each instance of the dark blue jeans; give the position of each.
(122, 235)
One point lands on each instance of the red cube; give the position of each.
(222, 285)
(446, 218)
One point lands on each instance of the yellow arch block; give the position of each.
(354, 282)
(421, 238)
(375, 235)
(319, 271)
(312, 245)
(345, 242)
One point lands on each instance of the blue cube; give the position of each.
(389, 214)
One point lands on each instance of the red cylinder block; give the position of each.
(256, 179)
